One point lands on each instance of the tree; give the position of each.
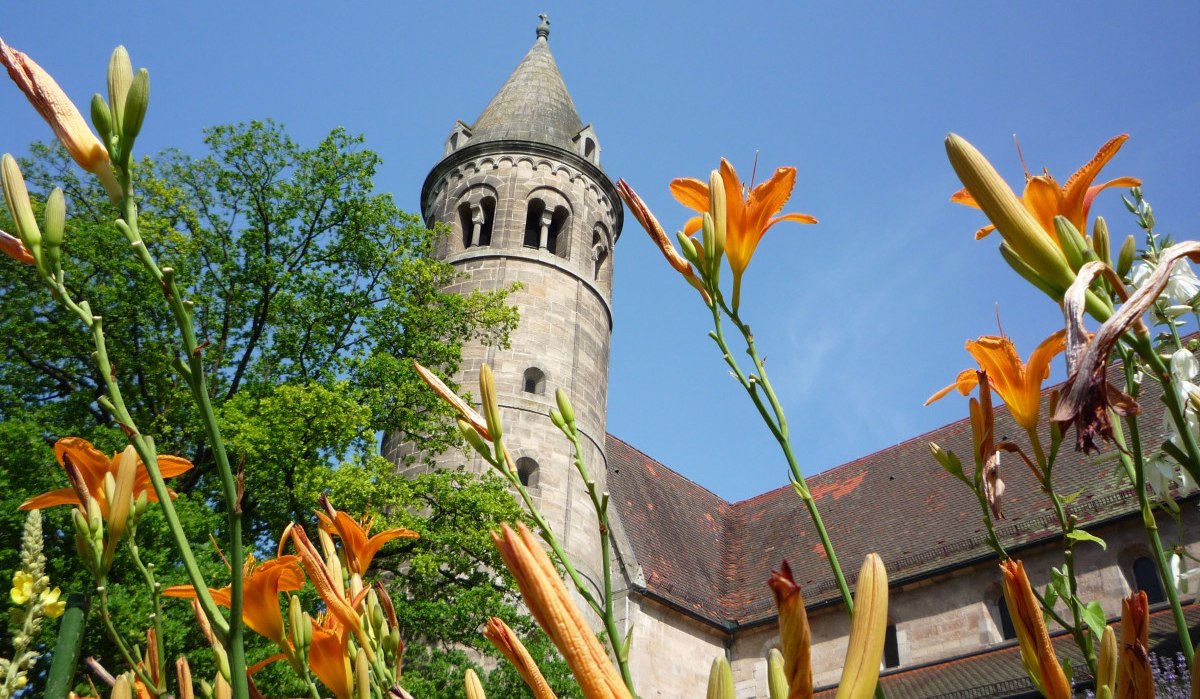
(313, 294)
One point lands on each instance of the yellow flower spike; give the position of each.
(794, 634)
(506, 641)
(550, 603)
(1037, 653)
(720, 680)
(61, 114)
(1003, 208)
(491, 405)
(1106, 667)
(868, 627)
(473, 685)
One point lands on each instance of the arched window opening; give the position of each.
(533, 223)
(545, 228)
(1007, 631)
(454, 141)
(535, 381)
(1145, 578)
(476, 220)
(527, 471)
(556, 231)
(891, 648)
(599, 248)
(589, 148)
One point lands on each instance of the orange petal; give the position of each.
(693, 224)
(1044, 200)
(62, 496)
(691, 192)
(966, 381)
(798, 218)
(372, 546)
(15, 249)
(964, 197)
(768, 198)
(171, 466)
(1077, 186)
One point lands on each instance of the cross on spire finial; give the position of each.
(543, 28)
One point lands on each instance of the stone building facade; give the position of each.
(526, 200)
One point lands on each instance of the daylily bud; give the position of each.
(491, 405)
(948, 461)
(54, 219)
(794, 634)
(61, 114)
(1037, 653)
(474, 438)
(1106, 666)
(716, 207)
(1071, 241)
(1101, 244)
(506, 641)
(140, 505)
(474, 688)
(1134, 677)
(120, 77)
(868, 628)
(121, 689)
(16, 196)
(720, 680)
(299, 625)
(565, 407)
(119, 504)
(688, 246)
(135, 108)
(183, 673)
(777, 685)
(1125, 257)
(557, 419)
(102, 118)
(222, 659)
(362, 676)
(1018, 227)
(1027, 273)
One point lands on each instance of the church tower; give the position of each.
(526, 201)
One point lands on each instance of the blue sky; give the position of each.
(862, 316)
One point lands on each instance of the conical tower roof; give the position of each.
(533, 105)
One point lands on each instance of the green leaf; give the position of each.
(1093, 616)
(1080, 535)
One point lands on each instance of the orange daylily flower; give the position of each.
(329, 587)
(92, 465)
(1019, 384)
(360, 550)
(748, 215)
(260, 595)
(329, 656)
(1045, 199)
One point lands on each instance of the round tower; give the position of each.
(525, 199)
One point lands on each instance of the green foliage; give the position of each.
(313, 296)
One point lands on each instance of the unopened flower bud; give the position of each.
(1100, 241)
(1125, 257)
(720, 680)
(16, 196)
(1106, 666)
(120, 77)
(473, 686)
(362, 676)
(102, 119)
(688, 247)
(565, 407)
(135, 107)
(54, 220)
(557, 418)
(868, 628)
(473, 438)
(1071, 242)
(491, 404)
(777, 685)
